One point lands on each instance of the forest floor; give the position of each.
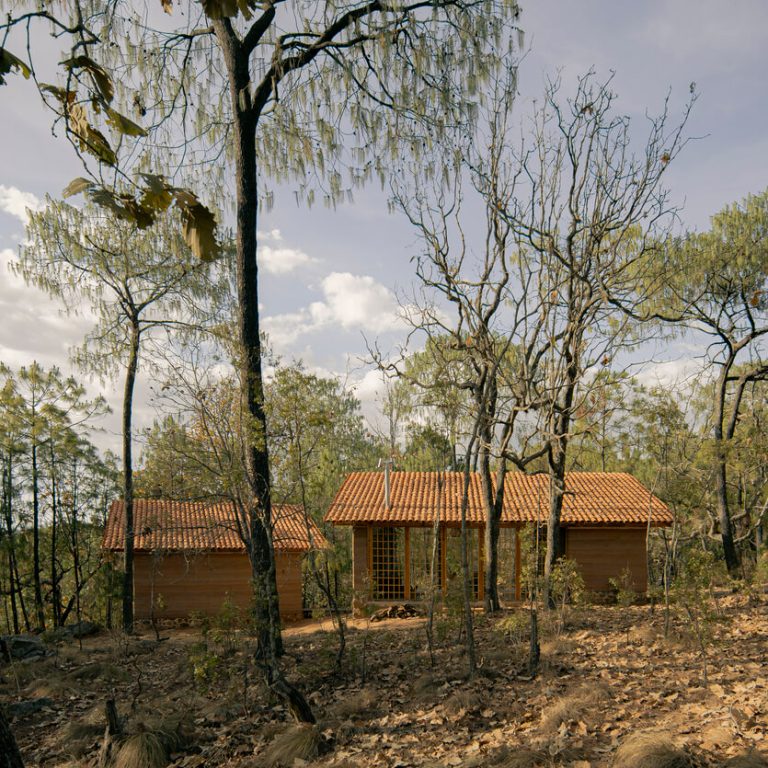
(607, 672)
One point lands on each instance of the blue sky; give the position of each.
(332, 278)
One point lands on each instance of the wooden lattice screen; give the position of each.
(388, 563)
(474, 556)
(507, 575)
(421, 563)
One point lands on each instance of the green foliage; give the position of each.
(317, 436)
(692, 590)
(205, 665)
(53, 497)
(567, 583)
(136, 282)
(624, 587)
(515, 627)
(224, 628)
(427, 450)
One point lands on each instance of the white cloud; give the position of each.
(284, 330)
(281, 261)
(15, 202)
(672, 374)
(352, 302)
(275, 259)
(357, 302)
(272, 235)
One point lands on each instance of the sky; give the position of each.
(331, 279)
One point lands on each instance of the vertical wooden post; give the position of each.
(480, 564)
(443, 566)
(517, 565)
(369, 530)
(407, 585)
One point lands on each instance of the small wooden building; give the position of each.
(605, 520)
(190, 559)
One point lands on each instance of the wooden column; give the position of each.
(443, 566)
(517, 564)
(369, 544)
(407, 570)
(480, 565)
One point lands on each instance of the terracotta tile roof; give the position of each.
(161, 524)
(604, 498)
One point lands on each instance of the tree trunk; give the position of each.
(468, 625)
(732, 560)
(260, 549)
(39, 610)
(7, 509)
(55, 595)
(534, 649)
(556, 495)
(10, 757)
(730, 552)
(259, 504)
(112, 733)
(491, 533)
(130, 381)
(75, 545)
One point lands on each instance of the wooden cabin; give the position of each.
(605, 521)
(190, 559)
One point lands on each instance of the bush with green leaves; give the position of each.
(623, 587)
(692, 590)
(205, 665)
(515, 627)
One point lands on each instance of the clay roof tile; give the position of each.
(604, 498)
(162, 524)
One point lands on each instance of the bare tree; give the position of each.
(590, 211)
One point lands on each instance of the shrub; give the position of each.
(205, 665)
(624, 588)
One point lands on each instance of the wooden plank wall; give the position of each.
(201, 583)
(603, 553)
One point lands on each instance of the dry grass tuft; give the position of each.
(527, 757)
(79, 737)
(557, 646)
(356, 705)
(48, 687)
(300, 742)
(79, 730)
(463, 700)
(522, 757)
(102, 671)
(573, 707)
(142, 750)
(425, 684)
(650, 750)
(645, 633)
(751, 759)
(175, 732)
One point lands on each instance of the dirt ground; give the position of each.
(607, 672)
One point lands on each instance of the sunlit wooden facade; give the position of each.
(189, 559)
(605, 523)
